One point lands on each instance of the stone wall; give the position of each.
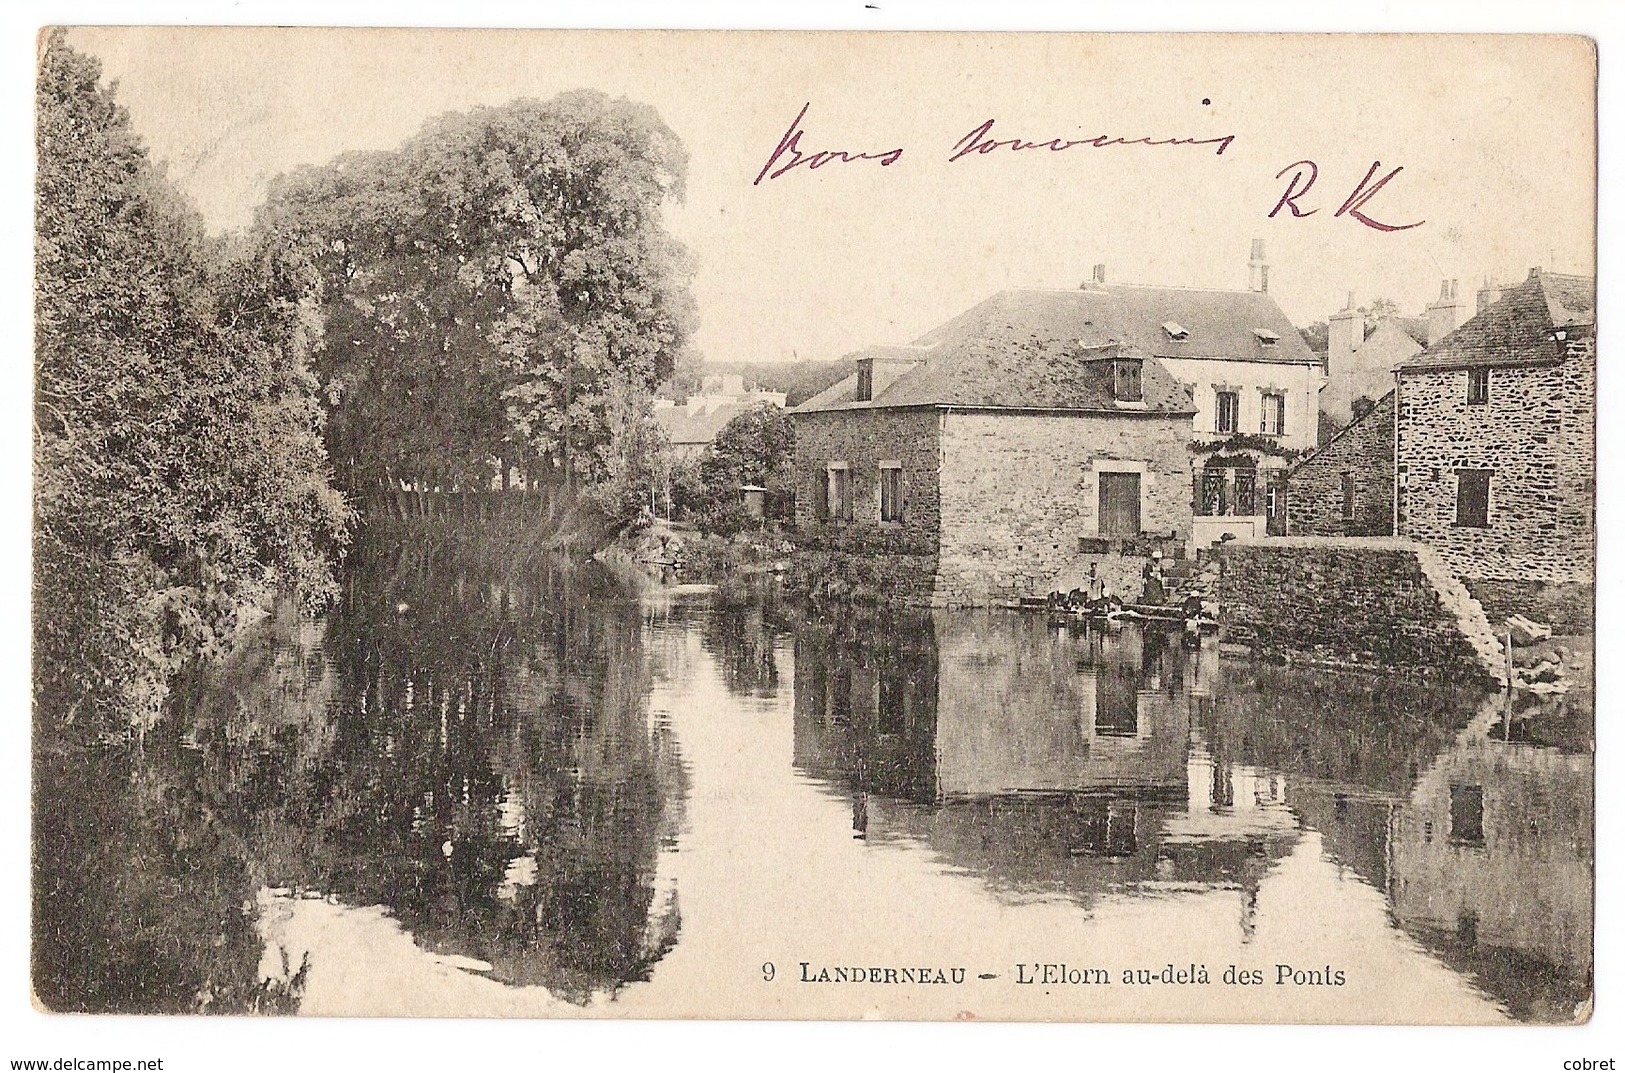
(1364, 451)
(863, 439)
(1020, 493)
(1536, 434)
(1350, 601)
(1567, 607)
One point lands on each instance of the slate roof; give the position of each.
(691, 429)
(1041, 349)
(1517, 329)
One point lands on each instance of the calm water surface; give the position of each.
(477, 790)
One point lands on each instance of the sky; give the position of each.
(1495, 136)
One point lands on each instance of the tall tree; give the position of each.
(490, 286)
(179, 468)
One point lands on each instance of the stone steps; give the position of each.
(1469, 613)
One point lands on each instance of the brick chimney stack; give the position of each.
(1100, 273)
(1258, 269)
(1488, 294)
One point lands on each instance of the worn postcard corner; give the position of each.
(918, 526)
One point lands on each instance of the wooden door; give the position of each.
(1119, 504)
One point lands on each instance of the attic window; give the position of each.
(1176, 332)
(1126, 385)
(866, 381)
(1266, 337)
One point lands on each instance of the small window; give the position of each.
(866, 381)
(1227, 410)
(1478, 387)
(1272, 414)
(1176, 331)
(838, 494)
(1348, 496)
(1473, 498)
(1126, 381)
(1467, 814)
(891, 492)
(1266, 337)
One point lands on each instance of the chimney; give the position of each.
(1100, 273)
(1258, 271)
(1445, 315)
(1488, 295)
(1345, 331)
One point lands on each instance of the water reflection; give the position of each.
(479, 762)
(1054, 760)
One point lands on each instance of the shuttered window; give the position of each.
(839, 493)
(891, 492)
(1473, 497)
(1119, 504)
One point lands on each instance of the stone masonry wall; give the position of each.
(1523, 434)
(866, 560)
(1364, 451)
(1344, 602)
(1019, 492)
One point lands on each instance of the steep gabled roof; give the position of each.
(1516, 330)
(1043, 349)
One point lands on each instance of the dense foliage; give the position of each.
(756, 448)
(499, 295)
(179, 469)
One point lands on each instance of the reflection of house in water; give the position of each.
(1043, 758)
(1059, 760)
(1492, 861)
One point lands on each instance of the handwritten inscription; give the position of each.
(791, 144)
(980, 142)
(789, 155)
(1306, 172)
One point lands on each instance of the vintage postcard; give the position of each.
(814, 525)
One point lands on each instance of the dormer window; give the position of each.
(1266, 337)
(1176, 332)
(1126, 385)
(866, 380)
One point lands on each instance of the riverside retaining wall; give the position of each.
(1351, 601)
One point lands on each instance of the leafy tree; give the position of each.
(490, 287)
(1316, 336)
(179, 471)
(1378, 309)
(757, 447)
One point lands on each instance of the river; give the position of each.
(478, 788)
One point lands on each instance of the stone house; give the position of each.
(691, 426)
(1024, 447)
(1347, 487)
(1496, 434)
(1254, 383)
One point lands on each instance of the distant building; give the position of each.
(692, 426)
(1360, 361)
(1026, 446)
(1496, 434)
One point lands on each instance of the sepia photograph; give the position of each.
(656, 524)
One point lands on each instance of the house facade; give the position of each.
(1255, 387)
(1496, 433)
(1347, 487)
(1020, 449)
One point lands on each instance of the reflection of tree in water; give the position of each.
(494, 776)
(741, 630)
(471, 749)
(143, 898)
